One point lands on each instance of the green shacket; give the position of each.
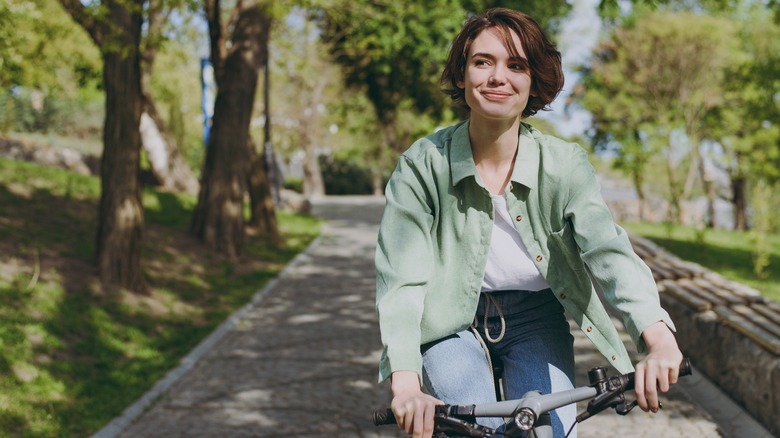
(435, 234)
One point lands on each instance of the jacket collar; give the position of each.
(525, 170)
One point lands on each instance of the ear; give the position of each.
(461, 84)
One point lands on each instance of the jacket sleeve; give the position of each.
(404, 263)
(625, 280)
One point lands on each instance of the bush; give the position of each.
(294, 184)
(343, 177)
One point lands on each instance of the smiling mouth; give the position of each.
(495, 95)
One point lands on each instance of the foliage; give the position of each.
(652, 78)
(344, 177)
(764, 222)
(393, 50)
(50, 73)
(749, 124)
(546, 12)
(73, 357)
(41, 48)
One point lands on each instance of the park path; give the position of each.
(301, 360)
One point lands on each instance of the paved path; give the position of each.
(302, 360)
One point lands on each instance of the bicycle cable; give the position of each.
(570, 429)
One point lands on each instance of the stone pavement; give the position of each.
(301, 360)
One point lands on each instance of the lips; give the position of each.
(495, 95)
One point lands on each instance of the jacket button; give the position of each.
(519, 217)
(538, 258)
(589, 329)
(614, 357)
(563, 296)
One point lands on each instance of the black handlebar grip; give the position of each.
(383, 417)
(686, 369)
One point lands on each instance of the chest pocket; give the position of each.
(564, 259)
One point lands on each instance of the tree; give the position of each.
(747, 126)
(115, 28)
(306, 94)
(237, 57)
(159, 142)
(394, 52)
(661, 73)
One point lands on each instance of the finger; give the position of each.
(639, 386)
(674, 373)
(428, 421)
(663, 379)
(651, 388)
(400, 417)
(418, 424)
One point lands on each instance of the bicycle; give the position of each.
(530, 414)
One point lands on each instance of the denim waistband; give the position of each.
(514, 301)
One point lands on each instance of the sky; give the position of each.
(578, 35)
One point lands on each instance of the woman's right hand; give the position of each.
(413, 409)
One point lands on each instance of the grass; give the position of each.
(729, 253)
(72, 355)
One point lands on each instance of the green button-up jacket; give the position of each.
(435, 233)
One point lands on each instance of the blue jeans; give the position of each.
(536, 351)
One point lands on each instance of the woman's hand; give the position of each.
(412, 408)
(659, 369)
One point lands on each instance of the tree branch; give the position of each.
(86, 19)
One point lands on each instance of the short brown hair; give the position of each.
(544, 59)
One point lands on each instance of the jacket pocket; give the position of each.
(564, 250)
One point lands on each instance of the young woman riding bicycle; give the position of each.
(491, 231)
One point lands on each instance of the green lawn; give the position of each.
(729, 253)
(73, 356)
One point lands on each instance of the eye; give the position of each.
(520, 65)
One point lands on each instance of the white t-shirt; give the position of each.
(509, 265)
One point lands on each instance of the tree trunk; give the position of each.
(739, 199)
(263, 213)
(313, 184)
(675, 210)
(219, 216)
(121, 216)
(162, 149)
(708, 184)
(638, 178)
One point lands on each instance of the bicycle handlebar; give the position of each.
(604, 393)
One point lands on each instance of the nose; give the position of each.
(498, 75)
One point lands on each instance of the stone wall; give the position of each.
(730, 332)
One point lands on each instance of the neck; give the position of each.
(494, 147)
(493, 141)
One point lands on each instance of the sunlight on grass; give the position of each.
(729, 253)
(73, 356)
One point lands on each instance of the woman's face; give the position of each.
(496, 85)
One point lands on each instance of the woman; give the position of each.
(487, 232)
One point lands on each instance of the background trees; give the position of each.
(690, 93)
(658, 75)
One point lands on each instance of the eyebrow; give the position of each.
(490, 56)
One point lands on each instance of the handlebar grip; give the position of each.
(383, 417)
(686, 369)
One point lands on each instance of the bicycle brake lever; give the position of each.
(624, 408)
(450, 425)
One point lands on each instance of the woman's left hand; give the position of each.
(659, 369)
